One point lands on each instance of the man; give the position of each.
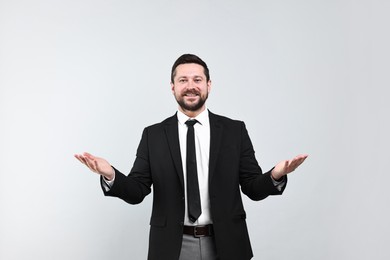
(196, 161)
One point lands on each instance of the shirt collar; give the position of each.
(202, 118)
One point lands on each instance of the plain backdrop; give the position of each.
(305, 76)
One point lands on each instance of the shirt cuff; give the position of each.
(107, 184)
(279, 184)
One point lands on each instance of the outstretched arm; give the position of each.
(97, 165)
(132, 188)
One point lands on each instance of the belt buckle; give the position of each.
(196, 232)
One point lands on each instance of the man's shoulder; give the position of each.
(168, 121)
(224, 119)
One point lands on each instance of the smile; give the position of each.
(190, 95)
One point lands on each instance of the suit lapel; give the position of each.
(215, 142)
(172, 133)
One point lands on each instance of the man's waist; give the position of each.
(199, 231)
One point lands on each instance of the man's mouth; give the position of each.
(190, 94)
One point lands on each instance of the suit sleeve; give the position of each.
(137, 185)
(254, 183)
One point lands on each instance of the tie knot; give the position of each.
(191, 122)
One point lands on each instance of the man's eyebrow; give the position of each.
(195, 76)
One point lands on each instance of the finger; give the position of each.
(80, 158)
(286, 164)
(285, 168)
(93, 164)
(301, 156)
(90, 156)
(97, 166)
(300, 160)
(296, 162)
(77, 157)
(90, 164)
(291, 166)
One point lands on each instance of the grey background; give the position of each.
(306, 77)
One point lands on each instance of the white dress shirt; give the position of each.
(202, 149)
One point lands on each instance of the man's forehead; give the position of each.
(189, 69)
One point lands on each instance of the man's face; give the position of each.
(190, 87)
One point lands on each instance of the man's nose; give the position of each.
(191, 84)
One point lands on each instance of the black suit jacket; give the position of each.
(232, 165)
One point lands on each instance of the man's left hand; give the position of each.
(285, 167)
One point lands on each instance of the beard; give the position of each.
(193, 106)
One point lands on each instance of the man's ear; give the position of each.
(173, 88)
(209, 86)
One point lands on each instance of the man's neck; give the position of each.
(192, 114)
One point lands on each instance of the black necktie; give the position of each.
(193, 197)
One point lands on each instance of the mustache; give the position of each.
(191, 92)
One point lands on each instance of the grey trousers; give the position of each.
(198, 248)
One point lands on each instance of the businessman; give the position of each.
(197, 162)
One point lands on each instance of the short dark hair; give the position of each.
(190, 58)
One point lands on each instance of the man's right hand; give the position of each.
(96, 164)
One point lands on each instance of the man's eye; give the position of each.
(182, 80)
(198, 80)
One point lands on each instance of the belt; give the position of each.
(199, 231)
